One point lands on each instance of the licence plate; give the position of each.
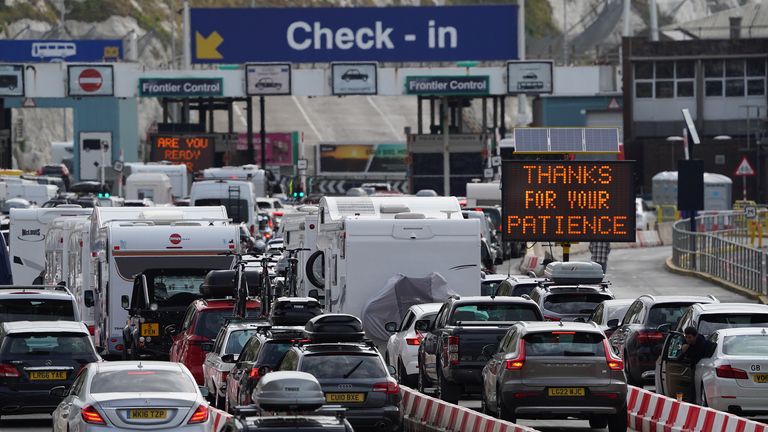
(761, 378)
(48, 376)
(345, 397)
(150, 329)
(566, 391)
(147, 414)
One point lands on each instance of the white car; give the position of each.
(132, 395)
(735, 378)
(645, 216)
(403, 346)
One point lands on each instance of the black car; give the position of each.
(518, 285)
(36, 357)
(638, 338)
(354, 74)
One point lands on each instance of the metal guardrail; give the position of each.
(722, 246)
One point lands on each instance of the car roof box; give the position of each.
(334, 328)
(574, 272)
(288, 391)
(294, 311)
(221, 283)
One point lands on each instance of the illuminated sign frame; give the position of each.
(568, 201)
(187, 149)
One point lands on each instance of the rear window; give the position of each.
(668, 313)
(36, 310)
(343, 366)
(488, 288)
(142, 381)
(616, 312)
(236, 209)
(573, 303)
(210, 322)
(264, 205)
(564, 343)
(48, 345)
(273, 352)
(711, 322)
(508, 312)
(237, 340)
(746, 345)
(495, 216)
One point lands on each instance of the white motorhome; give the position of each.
(128, 240)
(28, 228)
(153, 186)
(56, 247)
(35, 193)
(237, 196)
(81, 279)
(483, 194)
(177, 173)
(250, 173)
(366, 241)
(298, 231)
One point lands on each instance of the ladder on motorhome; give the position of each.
(234, 202)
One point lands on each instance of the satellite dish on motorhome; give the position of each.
(426, 193)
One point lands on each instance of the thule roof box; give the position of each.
(574, 272)
(222, 283)
(334, 328)
(288, 391)
(294, 311)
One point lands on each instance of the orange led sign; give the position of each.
(568, 201)
(195, 151)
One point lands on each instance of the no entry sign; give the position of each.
(90, 80)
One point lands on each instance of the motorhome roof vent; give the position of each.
(409, 215)
(356, 206)
(161, 215)
(393, 208)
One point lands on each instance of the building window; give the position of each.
(734, 87)
(664, 79)
(644, 89)
(685, 89)
(713, 68)
(665, 89)
(644, 70)
(756, 87)
(735, 77)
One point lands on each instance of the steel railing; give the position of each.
(724, 246)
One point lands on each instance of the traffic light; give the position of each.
(298, 194)
(103, 195)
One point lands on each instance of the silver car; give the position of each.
(130, 396)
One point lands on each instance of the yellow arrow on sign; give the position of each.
(206, 46)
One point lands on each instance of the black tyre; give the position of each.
(405, 379)
(447, 391)
(310, 269)
(502, 411)
(630, 378)
(598, 423)
(618, 422)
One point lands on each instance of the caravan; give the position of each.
(32, 191)
(249, 173)
(80, 277)
(177, 173)
(299, 233)
(128, 240)
(28, 228)
(237, 196)
(152, 186)
(363, 242)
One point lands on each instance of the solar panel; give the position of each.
(566, 140)
(601, 140)
(531, 140)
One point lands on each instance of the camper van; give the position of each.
(28, 229)
(237, 196)
(417, 235)
(125, 241)
(249, 173)
(177, 173)
(153, 186)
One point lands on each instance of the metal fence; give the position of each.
(723, 245)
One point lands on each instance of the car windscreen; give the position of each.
(343, 365)
(708, 323)
(163, 288)
(509, 312)
(48, 345)
(27, 309)
(564, 343)
(142, 381)
(237, 340)
(236, 209)
(746, 345)
(574, 303)
(666, 313)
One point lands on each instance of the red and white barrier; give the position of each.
(218, 418)
(651, 412)
(428, 413)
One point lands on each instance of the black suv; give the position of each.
(351, 372)
(518, 285)
(640, 335)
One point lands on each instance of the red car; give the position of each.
(201, 324)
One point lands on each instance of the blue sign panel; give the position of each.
(43, 51)
(387, 34)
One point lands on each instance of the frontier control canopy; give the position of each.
(568, 201)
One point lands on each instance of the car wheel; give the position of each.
(704, 402)
(502, 411)
(421, 382)
(402, 375)
(630, 379)
(446, 391)
(598, 423)
(618, 421)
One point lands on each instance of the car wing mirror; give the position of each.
(423, 325)
(391, 327)
(171, 329)
(613, 323)
(204, 391)
(206, 347)
(664, 328)
(488, 351)
(391, 370)
(228, 358)
(59, 391)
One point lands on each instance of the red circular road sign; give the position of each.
(175, 238)
(90, 80)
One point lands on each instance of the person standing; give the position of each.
(600, 251)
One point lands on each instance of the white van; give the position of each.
(177, 173)
(153, 186)
(237, 196)
(28, 229)
(250, 173)
(34, 192)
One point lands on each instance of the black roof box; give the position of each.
(221, 283)
(294, 311)
(334, 328)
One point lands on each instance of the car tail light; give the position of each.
(254, 374)
(91, 329)
(551, 318)
(415, 340)
(614, 362)
(649, 337)
(200, 415)
(523, 395)
(453, 349)
(726, 371)
(605, 395)
(119, 347)
(9, 371)
(389, 387)
(91, 415)
(518, 362)
(277, 213)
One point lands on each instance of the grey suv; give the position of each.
(556, 370)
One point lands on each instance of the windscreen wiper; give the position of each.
(353, 369)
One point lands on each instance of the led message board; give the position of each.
(568, 201)
(195, 151)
